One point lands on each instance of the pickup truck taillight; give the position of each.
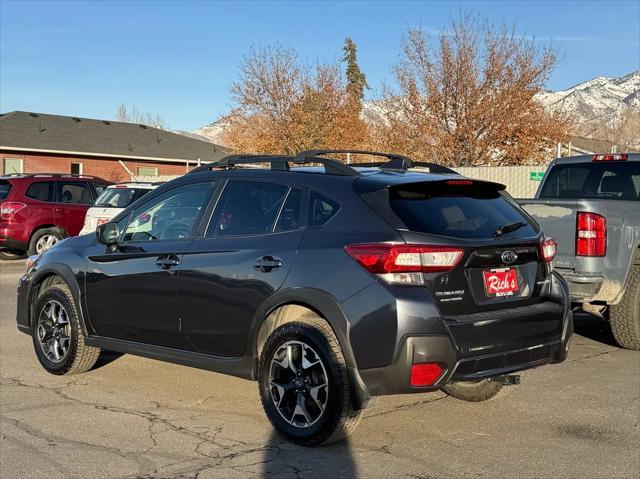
(591, 234)
(9, 208)
(404, 263)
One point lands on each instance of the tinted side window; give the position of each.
(75, 193)
(171, 216)
(247, 208)
(40, 191)
(321, 209)
(290, 215)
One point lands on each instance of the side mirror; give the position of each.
(107, 234)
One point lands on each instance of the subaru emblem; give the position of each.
(508, 257)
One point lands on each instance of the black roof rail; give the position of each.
(396, 161)
(280, 163)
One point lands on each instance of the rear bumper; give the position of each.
(395, 378)
(483, 345)
(12, 243)
(582, 287)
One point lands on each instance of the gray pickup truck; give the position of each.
(591, 206)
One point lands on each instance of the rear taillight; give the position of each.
(425, 374)
(591, 234)
(548, 250)
(611, 157)
(9, 208)
(404, 264)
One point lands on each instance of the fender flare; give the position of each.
(326, 306)
(63, 271)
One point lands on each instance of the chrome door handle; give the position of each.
(267, 263)
(167, 262)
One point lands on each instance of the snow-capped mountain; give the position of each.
(593, 103)
(602, 98)
(213, 132)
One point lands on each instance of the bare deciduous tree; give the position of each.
(470, 99)
(133, 115)
(283, 106)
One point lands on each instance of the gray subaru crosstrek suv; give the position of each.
(326, 283)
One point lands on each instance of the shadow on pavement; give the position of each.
(594, 327)
(284, 459)
(105, 358)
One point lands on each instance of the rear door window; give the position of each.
(247, 208)
(612, 180)
(74, 193)
(458, 211)
(291, 212)
(41, 191)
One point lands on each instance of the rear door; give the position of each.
(73, 199)
(242, 259)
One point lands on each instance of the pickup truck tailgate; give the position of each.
(558, 221)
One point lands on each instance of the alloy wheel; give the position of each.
(298, 384)
(54, 331)
(45, 242)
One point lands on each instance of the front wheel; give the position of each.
(473, 391)
(304, 385)
(57, 335)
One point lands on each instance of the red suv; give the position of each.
(38, 210)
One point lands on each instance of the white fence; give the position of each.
(521, 181)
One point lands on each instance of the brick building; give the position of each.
(42, 143)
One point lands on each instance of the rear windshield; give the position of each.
(611, 180)
(119, 197)
(459, 212)
(5, 187)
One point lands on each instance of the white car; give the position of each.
(112, 201)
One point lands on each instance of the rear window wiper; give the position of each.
(503, 229)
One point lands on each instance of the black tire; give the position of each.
(625, 316)
(57, 233)
(79, 357)
(339, 417)
(11, 254)
(476, 391)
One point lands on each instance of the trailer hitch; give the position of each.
(510, 380)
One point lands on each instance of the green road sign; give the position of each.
(536, 175)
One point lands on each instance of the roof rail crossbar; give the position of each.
(396, 162)
(230, 160)
(433, 167)
(280, 163)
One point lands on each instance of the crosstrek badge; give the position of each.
(501, 282)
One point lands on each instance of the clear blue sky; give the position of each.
(179, 58)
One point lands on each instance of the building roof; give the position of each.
(39, 132)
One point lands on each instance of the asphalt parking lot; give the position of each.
(133, 418)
